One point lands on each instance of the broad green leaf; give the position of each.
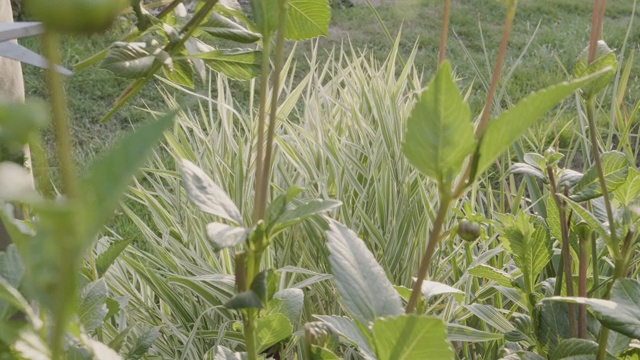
(93, 308)
(244, 300)
(456, 332)
(288, 302)
(235, 64)
(308, 208)
(272, 329)
(350, 331)
(321, 353)
(439, 134)
(526, 169)
(265, 285)
(224, 236)
(128, 60)
(568, 177)
(366, 292)
(411, 337)
(536, 160)
(577, 349)
(630, 190)
(11, 295)
(224, 28)
(206, 195)
(143, 343)
(11, 266)
(222, 353)
(621, 313)
(552, 322)
(588, 217)
(307, 19)
(491, 273)
(605, 59)
(181, 72)
(108, 177)
(503, 131)
(527, 239)
(19, 121)
(265, 14)
(434, 288)
(107, 258)
(615, 167)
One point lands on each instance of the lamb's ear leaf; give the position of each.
(366, 291)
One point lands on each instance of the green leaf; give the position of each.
(528, 240)
(272, 329)
(605, 60)
(615, 167)
(621, 313)
(128, 60)
(411, 337)
(19, 121)
(552, 321)
(503, 131)
(350, 331)
(107, 258)
(108, 177)
(629, 191)
(491, 273)
(143, 343)
(11, 295)
(321, 353)
(366, 292)
(235, 64)
(434, 288)
(206, 195)
(526, 169)
(439, 133)
(577, 349)
(11, 266)
(93, 308)
(456, 332)
(181, 72)
(589, 218)
(224, 236)
(307, 19)
(265, 285)
(265, 14)
(491, 316)
(288, 302)
(222, 353)
(244, 300)
(224, 28)
(297, 213)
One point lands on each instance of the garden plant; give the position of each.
(350, 210)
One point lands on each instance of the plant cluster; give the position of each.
(546, 271)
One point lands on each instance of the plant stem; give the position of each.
(597, 18)
(434, 237)
(273, 110)
(262, 111)
(486, 111)
(591, 110)
(565, 253)
(582, 287)
(442, 51)
(66, 287)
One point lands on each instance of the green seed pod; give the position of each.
(468, 230)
